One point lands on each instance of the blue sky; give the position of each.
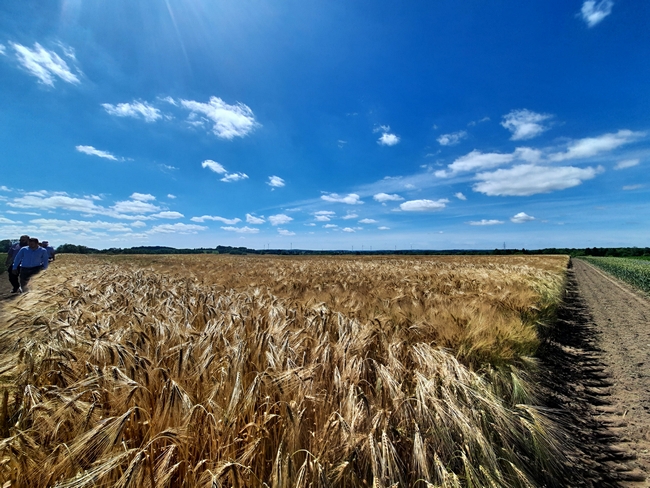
(326, 124)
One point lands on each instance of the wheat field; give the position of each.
(215, 371)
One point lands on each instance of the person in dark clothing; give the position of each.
(11, 254)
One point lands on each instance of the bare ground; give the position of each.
(595, 373)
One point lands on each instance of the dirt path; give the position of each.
(597, 359)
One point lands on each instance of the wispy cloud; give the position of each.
(168, 215)
(452, 139)
(242, 230)
(350, 199)
(91, 151)
(633, 187)
(628, 163)
(383, 227)
(349, 216)
(135, 109)
(217, 219)
(142, 197)
(473, 161)
(324, 215)
(367, 221)
(226, 121)
(3, 50)
(280, 219)
(424, 205)
(594, 12)
(251, 219)
(178, 228)
(525, 124)
(529, 179)
(275, 181)
(385, 197)
(485, 222)
(591, 146)
(348, 229)
(460, 196)
(230, 177)
(44, 64)
(213, 166)
(219, 169)
(521, 218)
(285, 232)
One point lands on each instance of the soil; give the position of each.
(594, 375)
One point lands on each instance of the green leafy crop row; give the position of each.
(636, 272)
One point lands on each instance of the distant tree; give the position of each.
(5, 244)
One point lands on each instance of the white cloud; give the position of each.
(138, 224)
(387, 139)
(95, 152)
(136, 109)
(460, 196)
(628, 163)
(521, 218)
(348, 229)
(134, 206)
(349, 216)
(4, 220)
(280, 219)
(234, 177)
(251, 219)
(424, 205)
(275, 181)
(594, 12)
(79, 226)
(324, 215)
(310, 224)
(367, 221)
(525, 124)
(486, 222)
(169, 195)
(322, 218)
(452, 139)
(330, 226)
(4, 188)
(168, 215)
(228, 121)
(3, 49)
(475, 160)
(529, 179)
(142, 197)
(213, 166)
(591, 146)
(217, 219)
(178, 228)
(242, 230)
(44, 64)
(350, 199)
(383, 228)
(632, 187)
(61, 201)
(385, 197)
(285, 232)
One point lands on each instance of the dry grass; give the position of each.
(262, 371)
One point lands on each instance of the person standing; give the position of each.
(11, 255)
(31, 259)
(50, 250)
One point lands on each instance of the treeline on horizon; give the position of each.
(573, 252)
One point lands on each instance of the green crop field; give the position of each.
(634, 271)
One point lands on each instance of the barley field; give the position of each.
(237, 371)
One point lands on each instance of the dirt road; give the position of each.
(598, 358)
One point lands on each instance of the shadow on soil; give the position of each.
(576, 386)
